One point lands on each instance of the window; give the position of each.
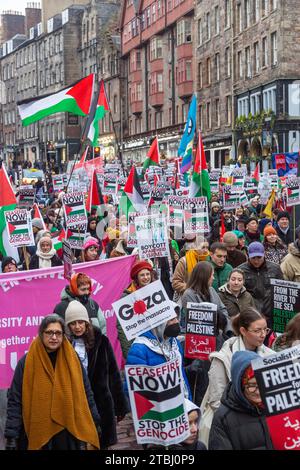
(217, 20)
(239, 19)
(148, 17)
(294, 101)
(208, 71)
(228, 110)
(255, 103)
(158, 120)
(264, 51)
(200, 33)
(188, 70)
(273, 5)
(247, 14)
(153, 13)
(248, 62)
(184, 32)
(256, 57)
(217, 112)
(200, 75)
(243, 106)
(185, 110)
(156, 48)
(138, 92)
(274, 58)
(256, 10)
(227, 14)
(269, 99)
(200, 117)
(264, 7)
(227, 62)
(217, 67)
(207, 26)
(208, 115)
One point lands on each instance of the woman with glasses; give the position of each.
(250, 328)
(234, 295)
(239, 423)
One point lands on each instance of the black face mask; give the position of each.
(83, 298)
(171, 331)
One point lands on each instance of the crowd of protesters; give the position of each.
(231, 270)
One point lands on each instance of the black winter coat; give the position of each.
(237, 427)
(34, 262)
(257, 283)
(107, 386)
(14, 427)
(287, 237)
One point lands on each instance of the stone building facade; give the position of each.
(157, 50)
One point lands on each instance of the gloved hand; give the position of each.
(11, 443)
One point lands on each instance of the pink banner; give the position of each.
(28, 296)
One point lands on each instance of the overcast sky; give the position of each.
(16, 5)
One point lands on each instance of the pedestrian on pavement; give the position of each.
(80, 288)
(240, 423)
(50, 402)
(258, 272)
(234, 294)
(98, 359)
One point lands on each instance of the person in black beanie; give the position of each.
(283, 229)
(9, 265)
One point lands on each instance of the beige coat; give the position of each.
(290, 265)
(180, 277)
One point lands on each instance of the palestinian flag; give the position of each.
(132, 197)
(95, 198)
(244, 201)
(74, 208)
(175, 218)
(36, 214)
(238, 182)
(159, 406)
(255, 176)
(75, 99)
(293, 195)
(196, 221)
(110, 185)
(76, 236)
(18, 227)
(231, 198)
(8, 202)
(101, 109)
(200, 185)
(81, 162)
(57, 238)
(153, 155)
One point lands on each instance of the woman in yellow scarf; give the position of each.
(50, 403)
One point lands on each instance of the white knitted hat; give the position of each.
(76, 311)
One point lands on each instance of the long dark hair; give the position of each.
(199, 278)
(245, 318)
(88, 336)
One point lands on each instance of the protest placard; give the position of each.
(67, 259)
(132, 240)
(76, 235)
(293, 191)
(231, 197)
(201, 330)
(26, 197)
(74, 209)
(59, 182)
(196, 215)
(278, 378)
(110, 184)
(175, 214)
(157, 403)
(144, 309)
(152, 237)
(286, 302)
(19, 228)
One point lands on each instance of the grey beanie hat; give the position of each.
(37, 223)
(76, 311)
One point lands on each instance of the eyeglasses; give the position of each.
(251, 387)
(260, 331)
(51, 333)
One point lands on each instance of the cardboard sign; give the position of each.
(201, 330)
(152, 237)
(196, 215)
(157, 403)
(19, 228)
(74, 209)
(286, 302)
(278, 378)
(132, 240)
(76, 236)
(293, 191)
(175, 215)
(144, 309)
(59, 182)
(231, 197)
(26, 197)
